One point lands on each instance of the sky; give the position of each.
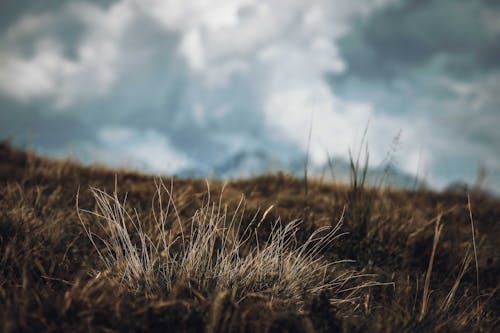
(234, 87)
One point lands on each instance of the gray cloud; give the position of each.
(13, 9)
(434, 65)
(153, 82)
(412, 33)
(153, 89)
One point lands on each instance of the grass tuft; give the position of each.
(214, 252)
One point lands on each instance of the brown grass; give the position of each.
(176, 256)
(213, 255)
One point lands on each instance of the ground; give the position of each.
(424, 278)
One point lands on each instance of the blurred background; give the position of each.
(232, 88)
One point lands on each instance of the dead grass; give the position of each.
(213, 253)
(176, 256)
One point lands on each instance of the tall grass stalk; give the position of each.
(426, 291)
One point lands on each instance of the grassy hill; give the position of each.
(271, 253)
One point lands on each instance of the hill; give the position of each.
(191, 255)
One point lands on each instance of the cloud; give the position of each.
(146, 150)
(96, 46)
(48, 70)
(413, 33)
(432, 67)
(211, 80)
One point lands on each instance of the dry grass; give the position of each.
(176, 256)
(425, 294)
(214, 253)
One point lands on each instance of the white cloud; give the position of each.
(37, 77)
(217, 39)
(334, 123)
(181, 16)
(267, 58)
(147, 150)
(49, 72)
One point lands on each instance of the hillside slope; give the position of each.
(413, 277)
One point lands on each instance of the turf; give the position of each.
(431, 267)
